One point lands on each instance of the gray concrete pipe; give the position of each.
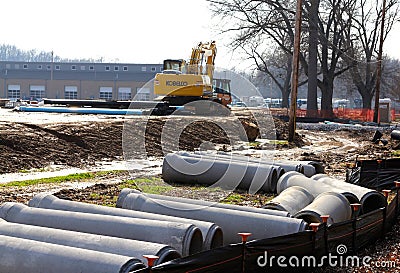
(328, 203)
(370, 199)
(231, 221)
(113, 245)
(212, 234)
(19, 255)
(290, 179)
(395, 134)
(292, 200)
(224, 174)
(126, 191)
(286, 166)
(308, 171)
(185, 238)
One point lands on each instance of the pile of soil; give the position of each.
(25, 146)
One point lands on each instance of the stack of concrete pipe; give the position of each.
(370, 199)
(212, 234)
(185, 238)
(308, 168)
(113, 245)
(290, 179)
(231, 221)
(22, 255)
(226, 174)
(331, 197)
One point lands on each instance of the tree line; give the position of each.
(13, 53)
(340, 41)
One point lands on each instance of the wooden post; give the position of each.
(295, 73)
(379, 68)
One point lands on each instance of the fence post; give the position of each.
(356, 208)
(397, 183)
(314, 227)
(379, 161)
(386, 193)
(244, 236)
(325, 221)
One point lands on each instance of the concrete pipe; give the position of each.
(286, 166)
(185, 238)
(370, 199)
(224, 174)
(318, 167)
(395, 134)
(212, 234)
(328, 203)
(126, 191)
(231, 221)
(22, 255)
(290, 179)
(113, 245)
(292, 200)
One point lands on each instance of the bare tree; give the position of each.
(274, 19)
(362, 37)
(312, 105)
(274, 63)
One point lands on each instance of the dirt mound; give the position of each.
(26, 146)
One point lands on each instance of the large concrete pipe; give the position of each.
(328, 203)
(290, 179)
(224, 174)
(212, 234)
(395, 134)
(19, 255)
(311, 167)
(185, 238)
(286, 166)
(114, 245)
(292, 200)
(370, 199)
(231, 221)
(126, 191)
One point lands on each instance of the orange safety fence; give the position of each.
(362, 114)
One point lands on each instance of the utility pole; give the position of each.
(379, 68)
(295, 73)
(52, 64)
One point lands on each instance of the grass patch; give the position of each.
(153, 185)
(60, 179)
(233, 198)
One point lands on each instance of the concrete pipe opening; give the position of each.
(351, 197)
(300, 168)
(193, 240)
(280, 173)
(167, 254)
(372, 201)
(309, 216)
(273, 180)
(214, 238)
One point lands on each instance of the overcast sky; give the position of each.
(132, 31)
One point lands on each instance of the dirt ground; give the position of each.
(25, 145)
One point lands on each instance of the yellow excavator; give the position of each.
(182, 82)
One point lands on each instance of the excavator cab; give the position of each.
(174, 65)
(222, 90)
